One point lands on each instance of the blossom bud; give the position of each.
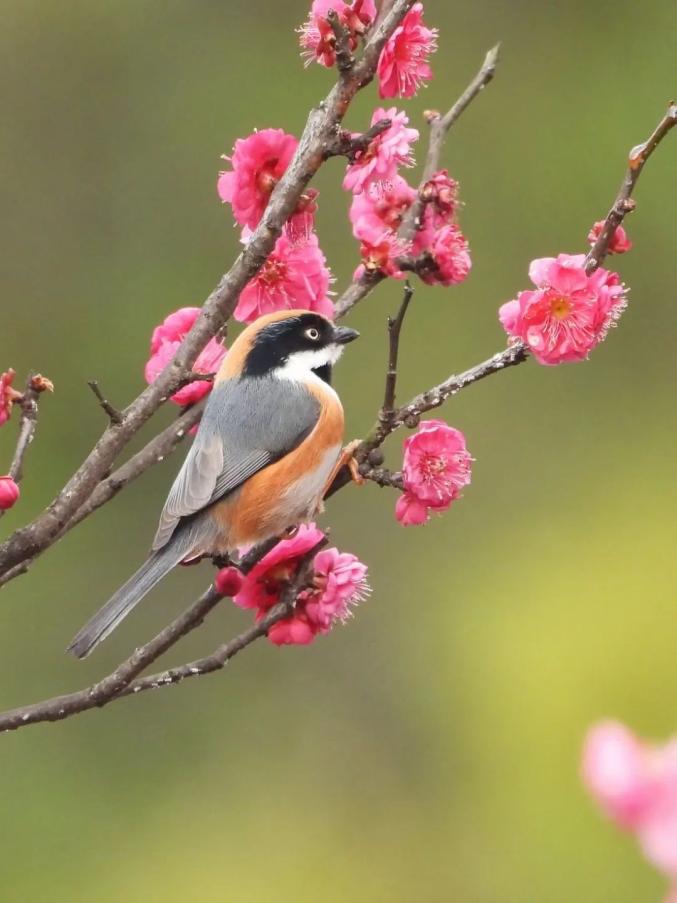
(9, 493)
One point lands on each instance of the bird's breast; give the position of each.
(289, 490)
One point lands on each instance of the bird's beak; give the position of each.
(343, 335)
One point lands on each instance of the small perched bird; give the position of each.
(268, 446)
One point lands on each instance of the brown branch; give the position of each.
(394, 330)
(350, 146)
(439, 127)
(355, 292)
(121, 682)
(344, 58)
(113, 414)
(318, 134)
(623, 203)
(152, 453)
(28, 402)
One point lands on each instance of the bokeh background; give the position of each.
(429, 750)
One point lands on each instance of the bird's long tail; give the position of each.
(128, 596)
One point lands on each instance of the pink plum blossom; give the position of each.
(569, 313)
(316, 36)
(229, 581)
(436, 467)
(338, 583)
(403, 64)
(380, 208)
(381, 158)
(262, 585)
(9, 493)
(409, 511)
(8, 395)
(620, 243)
(440, 194)
(381, 257)
(164, 344)
(449, 252)
(340, 580)
(635, 784)
(295, 275)
(258, 162)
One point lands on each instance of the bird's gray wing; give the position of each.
(247, 424)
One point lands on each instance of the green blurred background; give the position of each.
(430, 749)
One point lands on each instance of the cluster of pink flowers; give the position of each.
(403, 65)
(295, 274)
(339, 582)
(8, 395)
(436, 467)
(569, 313)
(165, 343)
(635, 784)
(9, 493)
(316, 35)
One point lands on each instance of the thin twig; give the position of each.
(28, 402)
(439, 126)
(319, 132)
(344, 58)
(153, 453)
(394, 331)
(623, 203)
(114, 415)
(119, 682)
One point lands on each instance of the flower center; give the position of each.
(265, 178)
(273, 271)
(560, 307)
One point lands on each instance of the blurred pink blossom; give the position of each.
(436, 467)
(7, 395)
(403, 64)
(295, 275)
(316, 36)
(635, 784)
(569, 313)
(380, 160)
(9, 493)
(258, 162)
(620, 243)
(164, 344)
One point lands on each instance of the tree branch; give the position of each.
(394, 330)
(439, 127)
(113, 414)
(152, 453)
(623, 203)
(318, 134)
(28, 402)
(344, 58)
(121, 681)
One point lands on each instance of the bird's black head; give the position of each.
(296, 342)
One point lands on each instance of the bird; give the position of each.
(267, 448)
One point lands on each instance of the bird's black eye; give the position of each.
(313, 334)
